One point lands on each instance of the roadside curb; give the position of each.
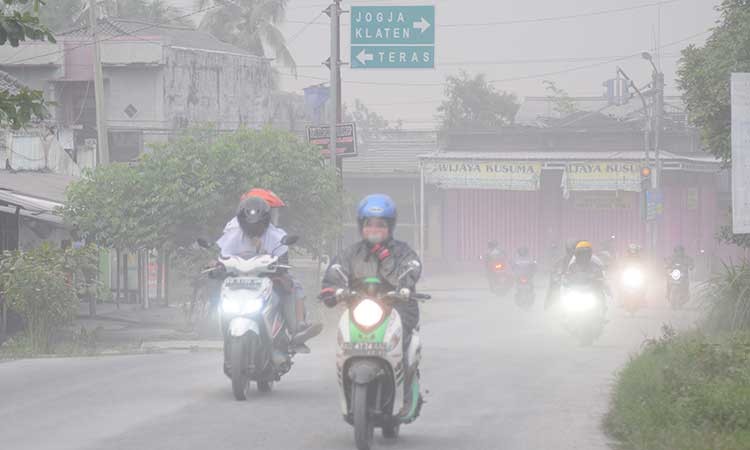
(189, 345)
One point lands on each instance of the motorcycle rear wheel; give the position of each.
(363, 426)
(265, 386)
(391, 431)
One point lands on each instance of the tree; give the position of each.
(61, 15)
(473, 104)
(561, 101)
(154, 11)
(251, 25)
(704, 75)
(190, 188)
(19, 21)
(370, 125)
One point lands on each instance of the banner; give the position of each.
(468, 174)
(602, 176)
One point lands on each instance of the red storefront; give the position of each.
(539, 200)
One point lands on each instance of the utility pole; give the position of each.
(658, 80)
(102, 141)
(334, 62)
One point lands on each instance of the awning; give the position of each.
(32, 207)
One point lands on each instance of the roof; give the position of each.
(173, 35)
(636, 155)
(397, 152)
(40, 186)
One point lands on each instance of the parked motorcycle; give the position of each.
(256, 336)
(632, 287)
(583, 307)
(678, 285)
(378, 383)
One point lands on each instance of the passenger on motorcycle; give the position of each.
(251, 233)
(377, 255)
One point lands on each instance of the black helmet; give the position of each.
(254, 215)
(523, 251)
(570, 246)
(679, 250)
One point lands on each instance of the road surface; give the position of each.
(498, 378)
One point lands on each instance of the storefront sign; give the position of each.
(603, 176)
(468, 174)
(604, 200)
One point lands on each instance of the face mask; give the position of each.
(375, 235)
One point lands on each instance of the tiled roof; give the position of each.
(173, 35)
(395, 153)
(41, 185)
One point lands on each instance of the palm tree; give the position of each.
(155, 11)
(251, 25)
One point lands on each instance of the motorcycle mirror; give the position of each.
(340, 271)
(203, 243)
(289, 239)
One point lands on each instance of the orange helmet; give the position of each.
(272, 199)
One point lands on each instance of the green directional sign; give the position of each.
(393, 57)
(392, 37)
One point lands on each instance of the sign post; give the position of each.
(393, 37)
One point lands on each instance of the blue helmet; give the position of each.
(377, 205)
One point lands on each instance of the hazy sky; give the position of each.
(517, 55)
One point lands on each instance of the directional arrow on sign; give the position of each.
(422, 25)
(363, 57)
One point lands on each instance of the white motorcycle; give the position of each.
(378, 384)
(583, 306)
(256, 336)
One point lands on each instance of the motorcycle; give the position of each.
(524, 286)
(678, 285)
(378, 383)
(632, 285)
(583, 306)
(256, 336)
(499, 277)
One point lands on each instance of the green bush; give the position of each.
(727, 299)
(38, 285)
(684, 392)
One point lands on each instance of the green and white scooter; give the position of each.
(378, 383)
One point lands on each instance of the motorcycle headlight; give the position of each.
(367, 313)
(676, 274)
(579, 301)
(235, 303)
(633, 277)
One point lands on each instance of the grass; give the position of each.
(684, 392)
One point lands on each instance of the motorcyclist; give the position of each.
(379, 255)
(523, 264)
(494, 255)
(680, 257)
(558, 270)
(584, 263)
(251, 233)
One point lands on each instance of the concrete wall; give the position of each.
(137, 86)
(227, 89)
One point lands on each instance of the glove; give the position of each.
(380, 251)
(328, 296)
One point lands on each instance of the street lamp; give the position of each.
(647, 56)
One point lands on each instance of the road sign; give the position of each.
(654, 205)
(741, 153)
(392, 57)
(393, 37)
(346, 139)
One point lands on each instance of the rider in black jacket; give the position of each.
(378, 255)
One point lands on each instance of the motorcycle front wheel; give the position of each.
(240, 364)
(363, 426)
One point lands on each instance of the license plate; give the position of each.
(244, 283)
(364, 348)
